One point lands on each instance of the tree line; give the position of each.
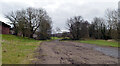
(30, 21)
(99, 28)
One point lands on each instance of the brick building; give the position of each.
(4, 28)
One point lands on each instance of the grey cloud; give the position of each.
(61, 10)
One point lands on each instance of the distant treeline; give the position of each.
(99, 28)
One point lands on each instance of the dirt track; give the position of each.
(57, 52)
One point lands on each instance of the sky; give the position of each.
(60, 10)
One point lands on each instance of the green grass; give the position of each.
(18, 50)
(54, 38)
(101, 42)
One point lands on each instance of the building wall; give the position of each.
(4, 30)
(0, 29)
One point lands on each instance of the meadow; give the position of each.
(18, 50)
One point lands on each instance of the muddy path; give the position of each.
(58, 52)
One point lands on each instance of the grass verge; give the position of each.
(101, 42)
(18, 50)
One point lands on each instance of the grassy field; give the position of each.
(18, 50)
(101, 42)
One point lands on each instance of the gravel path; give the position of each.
(58, 52)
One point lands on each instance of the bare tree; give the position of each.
(111, 16)
(13, 18)
(45, 29)
(76, 27)
(28, 21)
(118, 26)
(98, 29)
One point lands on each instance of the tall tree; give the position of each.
(45, 29)
(98, 29)
(76, 27)
(118, 26)
(111, 17)
(28, 21)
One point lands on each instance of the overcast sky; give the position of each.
(61, 10)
